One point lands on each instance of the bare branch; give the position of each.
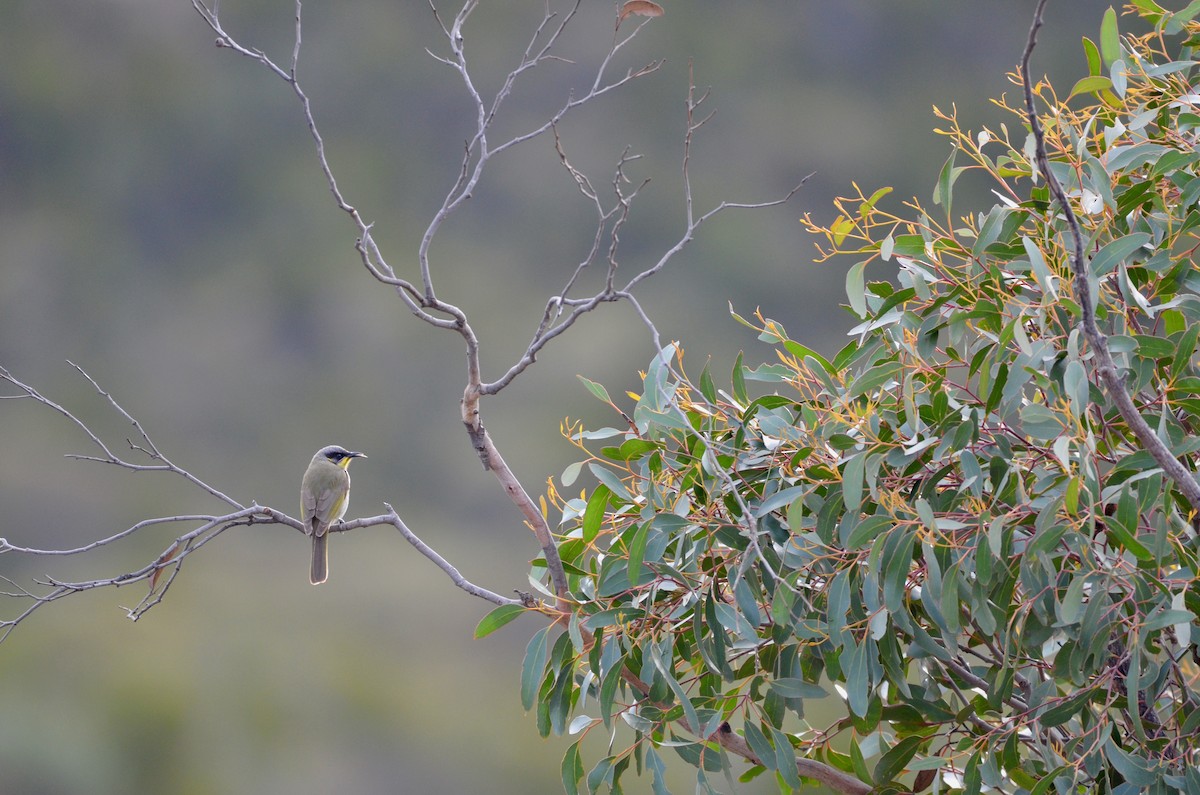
(145, 446)
(172, 558)
(612, 219)
(1106, 367)
(453, 573)
(206, 526)
(369, 253)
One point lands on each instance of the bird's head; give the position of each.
(337, 455)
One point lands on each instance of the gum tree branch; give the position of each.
(424, 301)
(422, 298)
(1105, 366)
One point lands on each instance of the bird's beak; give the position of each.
(358, 455)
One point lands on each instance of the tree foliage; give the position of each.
(947, 526)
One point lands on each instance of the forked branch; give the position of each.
(159, 574)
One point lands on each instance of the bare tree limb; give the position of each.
(1106, 367)
(424, 301)
(204, 527)
(458, 580)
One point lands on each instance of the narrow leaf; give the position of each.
(1093, 84)
(892, 763)
(637, 551)
(943, 194)
(759, 745)
(785, 759)
(533, 666)
(572, 769)
(608, 478)
(596, 389)
(855, 290)
(789, 687)
(1110, 41)
(496, 619)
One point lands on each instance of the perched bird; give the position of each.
(324, 498)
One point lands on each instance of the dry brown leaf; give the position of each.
(164, 558)
(640, 8)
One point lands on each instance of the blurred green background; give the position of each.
(164, 225)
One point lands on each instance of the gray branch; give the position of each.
(1106, 367)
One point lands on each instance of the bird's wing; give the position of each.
(318, 508)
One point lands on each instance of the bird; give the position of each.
(324, 497)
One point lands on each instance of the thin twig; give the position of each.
(453, 573)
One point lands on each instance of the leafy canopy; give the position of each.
(947, 527)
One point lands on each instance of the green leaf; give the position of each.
(658, 769)
(739, 381)
(840, 228)
(1116, 252)
(1152, 347)
(596, 389)
(1092, 53)
(790, 687)
(865, 208)
(779, 499)
(559, 702)
(1047, 781)
(873, 379)
(630, 450)
(613, 617)
(1187, 347)
(746, 601)
(893, 762)
(572, 769)
(614, 577)
(759, 745)
(1110, 40)
(1180, 18)
(496, 619)
(852, 482)
(802, 352)
(707, 387)
(896, 561)
(785, 759)
(610, 479)
(866, 530)
(637, 551)
(886, 246)
(533, 667)
(1066, 709)
(608, 692)
(600, 774)
(1041, 271)
(1090, 85)
(858, 659)
(858, 763)
(943, 193)
(855, 290)
(1136, 769)
(1122, 527)
(593, 514)
(668, 674)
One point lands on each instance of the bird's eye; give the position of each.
(334, 457)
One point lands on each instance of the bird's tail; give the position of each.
(319, 572)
